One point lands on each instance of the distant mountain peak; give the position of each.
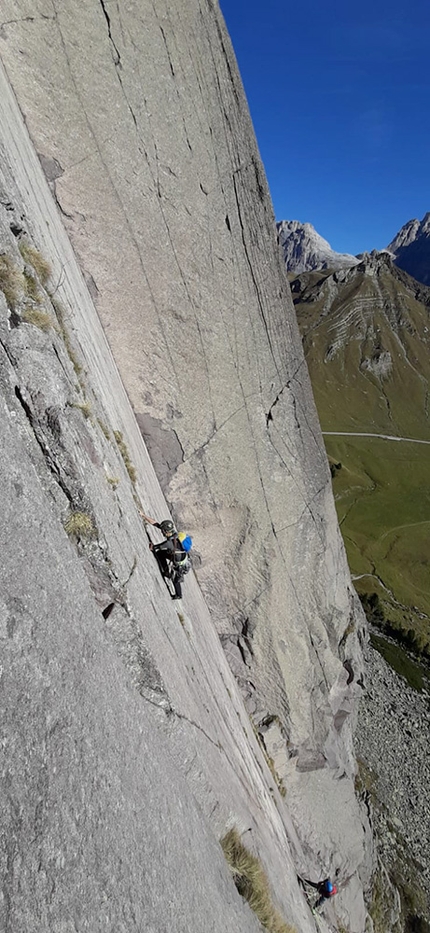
(411, 248)
(305, 250)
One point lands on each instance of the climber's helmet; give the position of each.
(168, 528)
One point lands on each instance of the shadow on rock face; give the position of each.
(163, 445)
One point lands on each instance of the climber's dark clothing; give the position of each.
(324, 888)
(171, 557)
(172, 553)
(171, 550)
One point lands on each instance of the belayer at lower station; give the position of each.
(172, 554)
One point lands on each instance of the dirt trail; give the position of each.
(385, 437)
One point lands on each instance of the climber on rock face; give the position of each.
(172, 553)
(325, 889)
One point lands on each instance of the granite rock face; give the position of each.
(305, 250)
(139, 119)
(126, 750)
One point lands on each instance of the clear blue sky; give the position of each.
(339, 94)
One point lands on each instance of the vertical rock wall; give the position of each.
(126, 750)
(138, 116)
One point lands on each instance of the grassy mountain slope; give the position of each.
(366, 334)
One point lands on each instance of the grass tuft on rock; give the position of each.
(38, 318)
(11, 281)
(35, 259)
(252, 883)
(32, 289)
(80, 525)
(104, 428)
(84, 407)
(122, 447)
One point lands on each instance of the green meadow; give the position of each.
(382, 496)
(366, 337)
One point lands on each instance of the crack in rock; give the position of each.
(116, 57)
